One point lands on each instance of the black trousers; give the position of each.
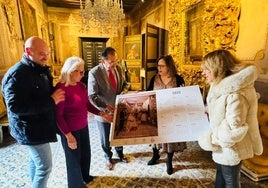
(78, 160)
(228, 176)
(104, 130)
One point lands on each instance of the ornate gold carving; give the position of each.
(177, 38)
(259, 55)
(8, 8)
(192, 75)
(177, 27)
(220, 24)
(220, 30)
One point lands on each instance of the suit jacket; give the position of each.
(100, 91)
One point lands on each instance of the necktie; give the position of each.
(112, 79)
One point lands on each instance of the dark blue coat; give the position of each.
(27, 89)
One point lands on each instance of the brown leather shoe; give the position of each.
(109, 164)
(123, 160)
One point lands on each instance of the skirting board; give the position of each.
(252, 175)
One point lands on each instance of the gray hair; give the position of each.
(69, 66)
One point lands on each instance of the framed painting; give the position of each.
(193, 31)
(136, 86)
(195, 48)
(132, 51)
(132, 47)
(134, 74)
(133, 58)
(28, 19)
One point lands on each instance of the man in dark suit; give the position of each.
(105, 81)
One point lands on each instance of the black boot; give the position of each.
(169, 163)
(121, 156)
(155, 157)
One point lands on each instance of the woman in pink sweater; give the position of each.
(72, 122)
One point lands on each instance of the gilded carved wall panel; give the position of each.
(220, 27)
(11, 40)
(219, 30)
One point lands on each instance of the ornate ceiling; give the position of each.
(127, 4)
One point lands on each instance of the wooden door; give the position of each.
(91, 49)
(155, 42)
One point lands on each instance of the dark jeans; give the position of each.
(104, 129)
(228, 176)
(78, 160)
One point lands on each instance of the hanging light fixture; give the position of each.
(106, 15)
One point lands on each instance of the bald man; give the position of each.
(30, 99)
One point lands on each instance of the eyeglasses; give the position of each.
(110, 62)
(161, 66)
(80, 72)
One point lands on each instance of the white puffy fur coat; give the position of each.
(232, 106)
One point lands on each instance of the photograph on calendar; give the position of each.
(136, 116)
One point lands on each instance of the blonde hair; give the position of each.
(222, 63)
(69, 66)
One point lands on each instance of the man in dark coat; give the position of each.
(28, 93)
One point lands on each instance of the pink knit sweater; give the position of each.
(71, 114)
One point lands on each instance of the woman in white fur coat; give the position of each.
(232, 107)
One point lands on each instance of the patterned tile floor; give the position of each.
(193, 168)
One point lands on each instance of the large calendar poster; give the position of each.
(160, 116)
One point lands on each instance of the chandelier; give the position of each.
(106, 15)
